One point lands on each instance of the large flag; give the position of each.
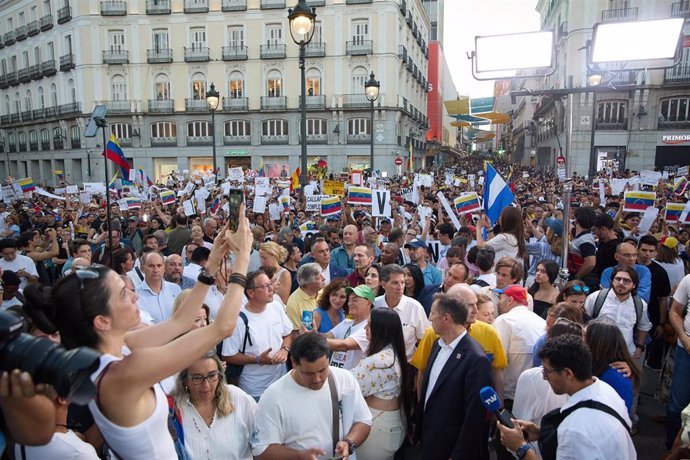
(114, 153)
(497, 194)
(294, 179)
(59, 173)
(27, 185)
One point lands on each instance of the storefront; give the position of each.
(357, 162)
(672, 149)
(163, 167)
(611, 159)
(238, 159)
(201, 164)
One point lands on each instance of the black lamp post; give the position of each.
(212, 99)
(371, 89)
(302, 19)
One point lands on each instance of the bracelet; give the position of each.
(286, 348)
(237, 278)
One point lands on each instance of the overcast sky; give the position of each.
(464, 19)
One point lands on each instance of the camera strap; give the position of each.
(335, 409)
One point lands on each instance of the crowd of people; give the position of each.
(350, 335)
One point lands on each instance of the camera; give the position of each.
(68, 371)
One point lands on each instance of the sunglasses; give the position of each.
(577, 289)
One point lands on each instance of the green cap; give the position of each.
(362, 291)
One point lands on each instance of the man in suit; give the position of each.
(450, 417)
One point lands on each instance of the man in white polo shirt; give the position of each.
(411, 312)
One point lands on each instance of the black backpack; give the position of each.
(548, 432)
(601, 298)
(233, 371)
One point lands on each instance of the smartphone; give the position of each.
(235, 199)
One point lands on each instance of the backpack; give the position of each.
(548, 432)
(601, 297)
(233, 371)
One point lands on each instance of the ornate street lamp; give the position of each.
(371, 89)
(212, 99)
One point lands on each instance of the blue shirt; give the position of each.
(340, 258)
(432, 275)
(621, 384)
(644, 288)
(159, 306)
(326, 325)
(536, 360)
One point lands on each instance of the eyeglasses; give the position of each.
(545, 372)
(87, 273)
(620, 280)
(263, 286)
(199, 379)
(577, 289)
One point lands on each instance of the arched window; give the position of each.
(198, 86)
(313, 82)
(41, 98)
(71, 91)
(17, 103)
(274, 84)
(28, 104)
(118, 88)
(236, 85)
(162, 87)
(53, 95)
(7, 105)
(359, 78)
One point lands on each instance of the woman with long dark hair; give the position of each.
(605, 341)
(414, 280)
(543, 291)
(510, 241)
(386, 384)
(372, 278)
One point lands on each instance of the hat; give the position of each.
(333, 218)
(556, 225)
(362, 291)
(559, 205)
(541, 199)
(416, 243)
(357, 214)
(669, 241)
(385, 221)
(515, 292)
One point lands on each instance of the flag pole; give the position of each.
(102, 123)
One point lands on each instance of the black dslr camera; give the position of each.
(68, 371)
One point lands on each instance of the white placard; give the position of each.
(682, 171)
(85, 198)
(648, 219)
(123, 205)
(449, 210)
(188, 208)
(274, 209)
(357, 178)
(314, 203)
(235, 175)
(602, 193)
(259, 204)
(309, 189)
(381, 203)
(684, 214)
(225, 188)
(617, 186)
(94, 188)
(189, 188)
(425, 180)
(650, 177)
(71, 190)
(132, 175)
(262, 186)
(481, 180)
(8, 193)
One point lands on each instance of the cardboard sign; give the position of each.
(123, 205)
(650, 177)
(334, 187)
(434, 249)
(314, 203)
(235, 175)
(259, 204)
(381, 203)
(262, 186)
(94, 188)
(356, 178)
(71, 190)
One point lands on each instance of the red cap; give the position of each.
(515, 292)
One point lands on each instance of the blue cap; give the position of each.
(416, 243)
(556, 225)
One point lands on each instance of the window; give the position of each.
(21, 141)
(7, 105)
(316, 127)
(34, 14)
(235, 36)
(37, 55)
(50, 49)
(163, 130)
(33, 140)
(116, 40)
(17, 103)
(236, 88)
(317, 33)
(612, 112)
(274, 128)
(313, 82)
(41, 98)
(46, 7)
(198, 38)
(75, 134)
(162, 87)
(358, 127)
(71, 91)
(359, 78)
(12, 140)
(237, 128)
(198, 86)
(28, 105)
(68, 44)
(675, 109)
(118, 88)
(45, 136)
(274, 34)
(198, 129)
(360, 31)
(160, 40)
(25, 59)
(121, 130)
(274, 84)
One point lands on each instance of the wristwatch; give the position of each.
(522, 450)
(351, 446)
(205, 277)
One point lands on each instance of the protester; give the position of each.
(543, 291)
(331, 306)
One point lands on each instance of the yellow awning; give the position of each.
(458, 106)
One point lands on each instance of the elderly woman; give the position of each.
(217, 418)
(273, 255)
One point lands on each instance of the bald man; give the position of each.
(626, 255)
(173, 272)
(480, 331)
(343, 255)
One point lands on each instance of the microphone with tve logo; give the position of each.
(493, 404)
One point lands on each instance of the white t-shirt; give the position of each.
(266, 330)
(503, 244)
(675, 272)
(63, 446)
(682, 296)
(357, 332)
(20, 263)
(213, 300)
(413, 318)
(300, 418)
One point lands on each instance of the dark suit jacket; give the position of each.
(453, 422)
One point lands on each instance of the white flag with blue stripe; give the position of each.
(497, 194)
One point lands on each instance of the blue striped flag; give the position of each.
(638, 201)
(680, 185)
(497, 194)
(331, 205)
(114, 153)
(467, 203)
(133, 202)
(359, 195)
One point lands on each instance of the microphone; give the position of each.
(493, 404)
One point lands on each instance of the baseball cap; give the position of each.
(517, 293)
(669, 241)
(416, 243)
(362, 291)
(333, 218)
(556, 225)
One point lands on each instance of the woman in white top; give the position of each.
(667, 257)
(386, 384)
(217, 418)
(272, 255)
(511, 239)
(92, 307)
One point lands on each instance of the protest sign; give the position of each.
(673, 212)
(648, 219)
(71, 190)
(356, 178)
(259, 204)
(314, 203)
(434, 249)
(333, 187)
(94, 188)
(188, 208)
(649, 177)
(274, 210)
(262, 186)
(448, 209)
(381, 203)
(123, 205)
(682, 171)
(235, 175)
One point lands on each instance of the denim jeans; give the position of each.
(680, 394)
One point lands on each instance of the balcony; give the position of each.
(277, 139)
(619, 15)
(75, 143)
(45, 145)
(48, 68)
(278, 103)
(118, 106)
(612, 125)
(315, 139)
(272, 4)
(273, 51)
(32, 28)
(675, 124)
(359, 138)
(159, 55)
(58, 143)
(4, 84)
(2, 42)
(67, 62)
(47, 22)
(403, 7)
(27, 115)
(164, 142)
(234, 53)
(10, 38)
(196, 105)
(64, 14)
(161, 106)
(357, 2)
(360, 47)
(312, 3)
(51, 112)
(115, 57)
(402, 53)
(5, 119)
(39, 114)
(21, 33)
(625, 77)
(234, 5)
(235, 104)
(315, 102)
(12, 78)
(356, 101)
(73, 108)
(196, 6)
(197, 54)
(199, 141)
(33, 146)
(23, 75)
(678, 74)
(680, 9)
(315, 49)
(237, 140)
(22, 147)
(113, 8)
(125, 141)
(158, 7)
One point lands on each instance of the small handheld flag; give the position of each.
(638, 201)
(27, 185)
(673, 211)
(680, 184)
(133, 202)
(331, 205)
(167, 197)
(467, 203)
(359, 195)
(114, 153)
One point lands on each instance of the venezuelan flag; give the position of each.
(680, 185)
(215, 205)
(307, 226)
(467, 203)
(638, 201)
(359, 195)
(673, 211)
(285, 201)
(114, 153)
(133, 202)
(59, 173)
(167, 197)
(331, 205)
(27, 185)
